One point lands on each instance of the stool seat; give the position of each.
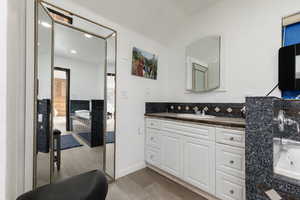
(56, 132)
(88, 186)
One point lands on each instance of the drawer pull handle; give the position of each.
(152, 138)
(231, 138)
(152, 124)
(231, 162)
(231, 192)
(151, 157)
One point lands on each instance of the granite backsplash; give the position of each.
(217, 109)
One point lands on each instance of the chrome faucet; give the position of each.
(204, 110)
(197, 111)
(200, 112)
(282, 121)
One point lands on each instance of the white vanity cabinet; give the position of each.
(208, 158)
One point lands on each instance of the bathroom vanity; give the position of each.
(206, 155)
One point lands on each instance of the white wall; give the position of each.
(132, 93)
(44, 76)
(15, 93)
(3, 64)
(86, 79)
(251, 37)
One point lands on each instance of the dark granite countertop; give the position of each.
(218, 121)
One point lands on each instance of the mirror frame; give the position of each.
(114, 34)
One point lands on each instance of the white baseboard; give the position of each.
(131, 169)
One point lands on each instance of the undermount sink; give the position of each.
(194, 116)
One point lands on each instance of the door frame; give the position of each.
(68, 75)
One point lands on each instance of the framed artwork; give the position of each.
(144, 64)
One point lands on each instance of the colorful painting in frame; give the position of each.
(144, 64)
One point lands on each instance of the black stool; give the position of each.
(88, 186)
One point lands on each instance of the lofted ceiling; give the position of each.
(156, 19)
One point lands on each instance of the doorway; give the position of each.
(61, 98)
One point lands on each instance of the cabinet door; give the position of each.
(171, 153)
(199, 163)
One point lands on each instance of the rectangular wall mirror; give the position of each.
(203, 64)
(75, 96)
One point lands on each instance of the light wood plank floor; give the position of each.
(149, 185)
(74, 161)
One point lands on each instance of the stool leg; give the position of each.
(55, 149)
(58, 153)
(71, 124)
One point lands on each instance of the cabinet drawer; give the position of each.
(230, 160)
(229, 187)
(153, 157)
(153, 123)
(231, 137)
(189, 129)
(153, 138)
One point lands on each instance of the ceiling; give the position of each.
(191, 7)
(74, 44)
(156, 19)
(91, 50)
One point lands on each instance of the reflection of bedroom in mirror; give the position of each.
(76, 121)
(84, 60)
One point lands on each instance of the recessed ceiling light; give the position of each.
(46, 24)
(88, 35)
(73, 51)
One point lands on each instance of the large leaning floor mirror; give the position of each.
(75, 96)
